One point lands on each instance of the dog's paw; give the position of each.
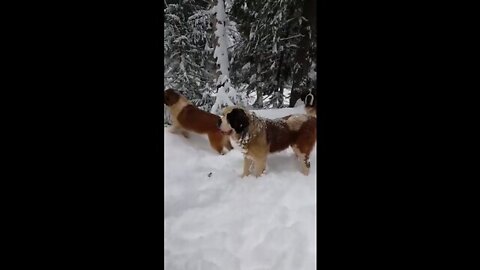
(259, 174)
(305, 171)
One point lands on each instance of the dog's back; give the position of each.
(290, 130)
(279, 136)
(188, 116)
(194, 119)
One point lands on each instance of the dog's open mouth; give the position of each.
(226, 132)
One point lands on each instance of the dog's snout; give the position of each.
(219, 122)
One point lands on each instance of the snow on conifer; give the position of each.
(221, 55)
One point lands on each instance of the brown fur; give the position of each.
(312, 111)
(260, 136)
(186, 117)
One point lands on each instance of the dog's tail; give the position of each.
(311, 104)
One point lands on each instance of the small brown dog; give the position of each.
(186, 117)
(259, 136)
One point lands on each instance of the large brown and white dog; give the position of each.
(186, 117)
(259, 136)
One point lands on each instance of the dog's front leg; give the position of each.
(185, 134)
(247, 163)
(174, 129)
(177, 130)
(260, 164)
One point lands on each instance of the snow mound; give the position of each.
(215, 220)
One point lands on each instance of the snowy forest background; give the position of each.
(259, 54)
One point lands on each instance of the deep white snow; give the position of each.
(224, 222)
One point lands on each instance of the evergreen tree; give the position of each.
(225, 35)
(187, 62)
(304, 74)
(219, 51)
(264, 57)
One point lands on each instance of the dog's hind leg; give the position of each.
(174, 129)
(304, 160)
(305, 164)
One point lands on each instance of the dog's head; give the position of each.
(310, 99)
(233, 120)
(311, 103)
(170, 97)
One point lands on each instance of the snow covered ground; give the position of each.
(215, 220)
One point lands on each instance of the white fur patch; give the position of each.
(295, 122)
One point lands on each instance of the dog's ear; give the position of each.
(170, 97)
(166, 98)
(238, 120)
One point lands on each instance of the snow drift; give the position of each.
(215, 220)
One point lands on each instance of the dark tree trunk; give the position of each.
(214, 41)
(259, 101)
(304, 54)
(281, 69)
(278, 93)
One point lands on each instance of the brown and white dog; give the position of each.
(186, 117)
(259, 136)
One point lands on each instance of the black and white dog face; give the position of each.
(233, 120)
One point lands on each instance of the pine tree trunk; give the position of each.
(259, 101)
(303, 56)
(278, 94)
(280, 67)
(221, 56)
(213, 42)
